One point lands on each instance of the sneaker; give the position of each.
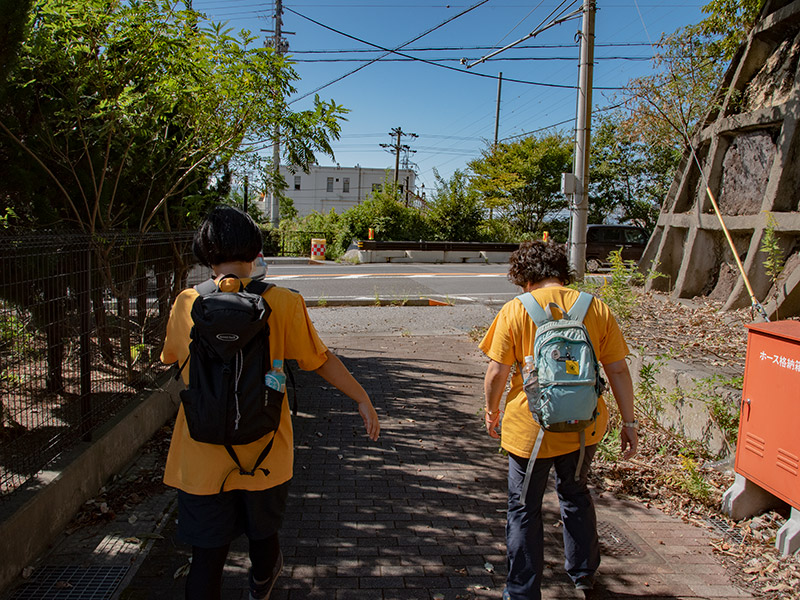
(262, 591)
(584, 583)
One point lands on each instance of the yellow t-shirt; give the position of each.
(199, 468)
(510, 338)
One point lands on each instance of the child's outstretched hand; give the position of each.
(370, 418)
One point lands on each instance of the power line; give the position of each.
(474, 6)
(390, 51)
(461, 48)
(439, 61)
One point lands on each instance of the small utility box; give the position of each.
(768, 448)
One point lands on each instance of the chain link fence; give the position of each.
(82, 320)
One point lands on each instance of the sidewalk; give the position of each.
(417, 515)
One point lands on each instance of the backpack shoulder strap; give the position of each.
(533, 308)
(207, 287)
(256, 286)
(581, 307)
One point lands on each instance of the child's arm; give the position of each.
(335, 373)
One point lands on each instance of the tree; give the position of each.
(629, 178)
(522, 179)
(13, 18)
(385, 212)
(455, 212)
(117, 114)
(127, 107)
(666, 107)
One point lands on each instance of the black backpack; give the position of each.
(227, 401)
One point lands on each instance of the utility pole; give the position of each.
(497, 111)
(398, 132)
(583, 125)
(246, 182)
(281, 46)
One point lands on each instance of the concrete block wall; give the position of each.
(748, 150)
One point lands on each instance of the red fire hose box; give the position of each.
(768, 448)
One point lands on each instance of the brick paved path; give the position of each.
(421, 513)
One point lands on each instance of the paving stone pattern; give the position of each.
(420, 514)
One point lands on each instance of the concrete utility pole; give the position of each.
(497, 110)
(583, 126)
(397, 147)
(280, 45)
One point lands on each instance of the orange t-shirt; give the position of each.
(510, 338)
(199, 468)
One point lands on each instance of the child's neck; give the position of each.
(239, 268)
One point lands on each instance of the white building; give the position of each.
(339, 188)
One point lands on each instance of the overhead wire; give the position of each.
(395, 51)
(432, 29)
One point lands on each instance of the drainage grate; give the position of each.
(614, 543)
(724, 529)
(71, 583)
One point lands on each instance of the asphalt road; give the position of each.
(332, 283)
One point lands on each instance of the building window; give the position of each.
(297, 182)
(330, 185)
(376, 187)
(346, 185)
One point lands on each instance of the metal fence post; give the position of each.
(84, 299)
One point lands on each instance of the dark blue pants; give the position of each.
(525, 529)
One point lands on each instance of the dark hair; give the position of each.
(538, 260)
(227, 235)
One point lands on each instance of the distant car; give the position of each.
(602, 240)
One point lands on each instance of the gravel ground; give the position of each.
(401, 320)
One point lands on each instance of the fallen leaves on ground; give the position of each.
(675, 475)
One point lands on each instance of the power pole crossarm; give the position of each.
(396, 147)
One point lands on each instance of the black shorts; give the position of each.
(216, 520)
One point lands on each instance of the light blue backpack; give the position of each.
(561, 378)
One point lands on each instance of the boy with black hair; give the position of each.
(229, 242)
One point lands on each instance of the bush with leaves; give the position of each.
(384, 212)
(455, 213)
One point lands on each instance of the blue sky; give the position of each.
(452, 112)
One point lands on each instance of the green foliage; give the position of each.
(522, 180)
(649, 394)
(691, 480)
(117, 114)
(13, 18)
(384, 211)
(5, 220)
(666, 107)
(728, 23)
(723, 413)
(629, 178)
(618, 293)
(286, 208)
(14, 335)
(455, 212)
(771, 246)
(300, 232)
